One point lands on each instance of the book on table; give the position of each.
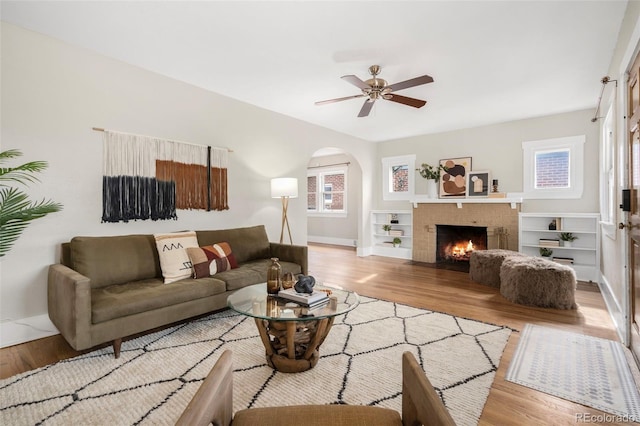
(308, 299)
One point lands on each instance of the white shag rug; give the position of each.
(157, 374)
(580, 368)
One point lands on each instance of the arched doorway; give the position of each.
(334, 198)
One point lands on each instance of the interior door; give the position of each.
(633, 230)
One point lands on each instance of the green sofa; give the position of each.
(107, 288)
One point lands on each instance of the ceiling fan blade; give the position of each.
(355, 81)
(366, 108)
(346, 98)
(411, 83)
(416, 103)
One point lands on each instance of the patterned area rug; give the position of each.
(583, 369)
(360, 363)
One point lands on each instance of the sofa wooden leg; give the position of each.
(116, 347)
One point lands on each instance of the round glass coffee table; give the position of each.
(291, 333)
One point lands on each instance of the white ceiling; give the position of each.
(492, 61)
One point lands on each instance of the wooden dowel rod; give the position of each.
(100, 129)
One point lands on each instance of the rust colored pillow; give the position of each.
(209, 260)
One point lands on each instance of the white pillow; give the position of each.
(172, 250)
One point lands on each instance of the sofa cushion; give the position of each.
(210, 260)
(121, 300)
(248, 243)
(115, 259)
(172, 250)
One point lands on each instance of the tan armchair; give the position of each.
(213, 404)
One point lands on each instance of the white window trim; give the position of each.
(575, 145)
(387, 163)
(318, 171)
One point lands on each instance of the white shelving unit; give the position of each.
(585, 251)
(380, 237)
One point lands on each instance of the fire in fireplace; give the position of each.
(455, 244)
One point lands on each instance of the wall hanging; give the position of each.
(146, 177)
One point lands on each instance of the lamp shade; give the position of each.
(284, 187)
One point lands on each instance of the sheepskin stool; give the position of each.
(535, 281)
(484, 265)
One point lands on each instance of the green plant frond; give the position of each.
(23, 173)
(15, 206)
(10, 153)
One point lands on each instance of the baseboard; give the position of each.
(616, 313)
(25, 330)
(331, 240)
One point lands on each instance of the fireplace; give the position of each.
(454, 244)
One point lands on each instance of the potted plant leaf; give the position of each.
(546, 252)
(386, 228)
(567, 238)
(396, 242)
(16, 210)
(432, 175)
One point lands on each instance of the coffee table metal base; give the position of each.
(293, 346)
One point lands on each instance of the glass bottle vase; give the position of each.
(274, 277)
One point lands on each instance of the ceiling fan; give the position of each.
(376, 88)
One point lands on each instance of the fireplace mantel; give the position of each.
(424, 199)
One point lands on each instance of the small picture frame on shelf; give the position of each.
(394, 218)
(478, 183)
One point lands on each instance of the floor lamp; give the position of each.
(284, 188)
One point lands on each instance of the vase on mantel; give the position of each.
(432, 188)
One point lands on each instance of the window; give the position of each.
(608, 175)
(327, 191)
(398, 176)
(553, 168)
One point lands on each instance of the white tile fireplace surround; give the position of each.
(501, 220)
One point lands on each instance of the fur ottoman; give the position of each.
(484, 265)
(538, 282)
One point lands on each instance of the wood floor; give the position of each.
(424, 287)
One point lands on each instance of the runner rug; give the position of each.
(157, 374)
(583, 369)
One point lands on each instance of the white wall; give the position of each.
(54, 93)
(498, 148)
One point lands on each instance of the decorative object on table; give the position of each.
(552, 225)
(393, 219)
(274, 277)
(432, 175)
(494, 186)
(453, 180)
(284, 188)
(396, 242)
(288, 280)
(312, 299)
(478, 183)
(546, 252)
(16, 211)
(386, 228)
(567, 238)
(305, 284)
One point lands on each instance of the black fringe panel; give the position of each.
(126, 198)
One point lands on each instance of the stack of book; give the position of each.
(306, 299)
(546, 242)
(396, 233)
(563, 260)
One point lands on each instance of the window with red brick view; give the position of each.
(552, 169)
(400, 178)
(312, 194)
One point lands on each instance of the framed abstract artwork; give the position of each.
(478, 183)
(453, 180)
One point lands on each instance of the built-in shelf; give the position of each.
(585, 251)
(381, 239)
(424, 199)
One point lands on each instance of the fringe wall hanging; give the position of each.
(149, 178)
